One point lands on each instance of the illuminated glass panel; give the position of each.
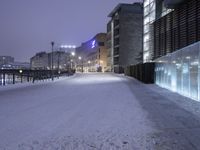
(146, 29)
(146, 38)
(194, 63)
(180, 71)
(186, 72)
(146, 2)
(149, 17)
(146, 10)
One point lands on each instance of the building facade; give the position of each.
(61, 60)
(124, 37)
(6, 60)
(40, 61)
(93, 53)
(153, 9)
(43, 61)
(176, 51)
(110, 45)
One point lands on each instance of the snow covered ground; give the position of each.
(97, 112)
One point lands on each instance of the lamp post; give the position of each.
(80, 58)
(72, 60)
(89, 67)
(52, 45)
(59, 53)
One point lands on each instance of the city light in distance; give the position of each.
(73, 53)
(68, 46)
(20, 71)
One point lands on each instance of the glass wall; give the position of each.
(149, 17)
(180, 71)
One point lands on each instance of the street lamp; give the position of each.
(72, 61)
(89, 62)
(59, 54)
(80, 58)
(73, 53)
(52, 45)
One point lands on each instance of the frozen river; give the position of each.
(96, 112)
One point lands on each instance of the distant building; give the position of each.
(124, 36)
(92, 62)
(6, 60)
(20, 65)
(110, 45)
(40, 61)
(61, 60)
(43, 60)
(68, 48)
(95, 52)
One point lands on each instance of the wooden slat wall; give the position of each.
(177, 29)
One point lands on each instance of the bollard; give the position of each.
(4, 79)
(13, 78)
(21, 78)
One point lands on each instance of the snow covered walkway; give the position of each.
(97, 112)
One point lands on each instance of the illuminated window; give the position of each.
(146, 10)
(146, 20)
(146, 38)
(146, 28)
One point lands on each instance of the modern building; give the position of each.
(95, 52)
(153, 9)
(43, 60)
(176, 46)
(124, 36)
(6, 60)
(61, 60)
(92, 64)
(16, 65)
(40, 61)
(68, 48)
(110, 45)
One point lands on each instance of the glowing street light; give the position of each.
(73, 53)
(20, 71)
(80, 58)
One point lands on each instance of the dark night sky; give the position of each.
(28, 26)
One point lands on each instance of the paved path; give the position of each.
(97, 111)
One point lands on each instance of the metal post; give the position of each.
(59, 53)
(13, 78)
(52, 45)
(4, 79)
(82, 65)
(28, 77)
(21, 78)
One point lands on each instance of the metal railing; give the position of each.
(13, 76)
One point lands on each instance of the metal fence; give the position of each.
(142, 72)
(13, 76)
